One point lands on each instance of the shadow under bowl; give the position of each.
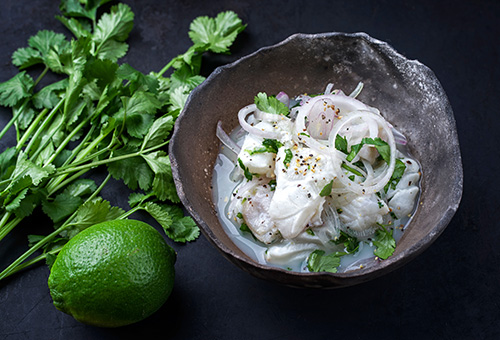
(406, 92)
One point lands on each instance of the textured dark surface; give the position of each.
(448, 292)
(407, 93)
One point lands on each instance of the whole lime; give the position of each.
(113, 274)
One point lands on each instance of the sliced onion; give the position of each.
(331, 219)
(225, 139)
(357, 90)
(399, 137)
(242, 115)
(371, 184)
(283, 97)
(329, 88)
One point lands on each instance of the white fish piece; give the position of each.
(252, 200)
(296, 202)
(402, 198)
(255, 212)
(294, 251)
(289, 253)
(363, 213)
(257, 163)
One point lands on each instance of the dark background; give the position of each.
(451, 291)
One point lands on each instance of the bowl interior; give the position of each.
(406, 92)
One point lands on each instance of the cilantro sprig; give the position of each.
(99, 114)
(385, 243)
(319, 262)
(270, 104)
(268, 145)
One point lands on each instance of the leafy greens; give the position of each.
(100, 114)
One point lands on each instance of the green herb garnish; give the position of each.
(327, 189)
(288, 157)
(319, 262)
(99, 113)
(399, 170)
(385, 243)
(269, 145)
(270, 104)
(246, 172)
(341, 144)
(382, 147)
(350, 243)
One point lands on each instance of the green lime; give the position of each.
(113, 274)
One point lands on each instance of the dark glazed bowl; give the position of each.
(406, 92)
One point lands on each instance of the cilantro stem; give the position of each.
(23, 106)
(44, 125)
(40, 77)
(61, 184)
(9, 270)
(68, 139)
(33, 261)
(166, 67)
(30, 129)
(12, 121)
(71, 168)
(7, 228)
(13, 267)
(4, 220)
(130, 212)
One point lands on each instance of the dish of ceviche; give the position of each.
(315, 183)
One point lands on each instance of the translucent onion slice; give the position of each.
(242, 117)
(372, 184)
(357, 90)
(226, 140)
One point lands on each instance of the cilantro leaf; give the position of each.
(7, 162)
(270, 104)
(341, 144)
(62, 206)
(218, 33)
(111, 31)
(327, 189)
(48, 97)
(319, 262)
(163, 183)
(269, 145)
(15, 89)
(288, 157)
(74, 8)
(399, 170)
(134, 172)
(351, 243)
(138, 80)
(78, 27)
(158, 132)
(177, 227)
(385, 243)
(90, 213)
(46, 42)
(246, 172)
(178, 98)
(382, 147)
(185, 76)
(25, 57)
(138, 112)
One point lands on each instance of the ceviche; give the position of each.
(315, 183)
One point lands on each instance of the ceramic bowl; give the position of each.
(407, 93)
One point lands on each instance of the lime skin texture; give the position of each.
(113, 274)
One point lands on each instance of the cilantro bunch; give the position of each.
(98, 114)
